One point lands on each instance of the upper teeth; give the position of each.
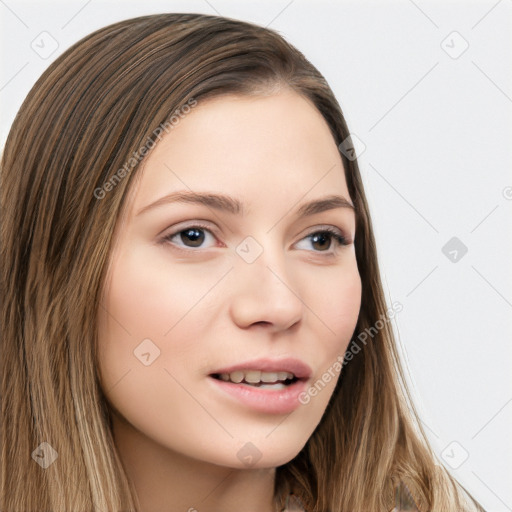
(255, 376)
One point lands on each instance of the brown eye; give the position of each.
(192, 237)
(321, 241)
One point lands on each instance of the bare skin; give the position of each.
(203, 306)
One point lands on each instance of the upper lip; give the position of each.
(298, 368)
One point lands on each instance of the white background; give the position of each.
(435, 154)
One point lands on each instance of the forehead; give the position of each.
(264, 149)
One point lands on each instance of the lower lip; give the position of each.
(271, 401)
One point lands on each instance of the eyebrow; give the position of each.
(233, 206)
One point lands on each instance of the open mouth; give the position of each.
(258, 379)
(270, 391)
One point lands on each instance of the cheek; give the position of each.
(345, 308)
(335, 302)
(147, 298)
(334, 298)
(149, 309)
(334, 317)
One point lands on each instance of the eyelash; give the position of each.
(334, 233)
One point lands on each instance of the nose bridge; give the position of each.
(265, 290)
(264, 261)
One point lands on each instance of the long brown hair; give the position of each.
(92, 109)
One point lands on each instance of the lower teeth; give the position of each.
(277, 385)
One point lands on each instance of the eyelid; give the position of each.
(330, 229)
(183, 226)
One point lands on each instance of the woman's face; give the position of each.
(222, 269)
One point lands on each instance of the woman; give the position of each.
(188, 254)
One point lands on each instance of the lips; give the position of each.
(281, 396)
(278, 397)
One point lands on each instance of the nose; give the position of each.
(265, 296)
